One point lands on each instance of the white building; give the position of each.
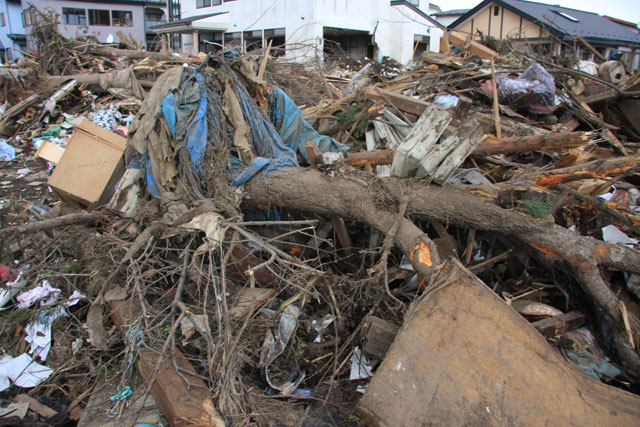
(101, 19)
(371, 28)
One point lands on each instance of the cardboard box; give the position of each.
(91, 165)
(49, 152)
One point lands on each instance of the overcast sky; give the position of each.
(629, 10)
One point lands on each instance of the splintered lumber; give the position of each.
(461, 40)
(180, 404)
(445, 158)
(464, 357)
(401, 102)
(35, 406)
(421, 139)
(523, 144)
(552, 326)
(630, 109)
(19, 108)
(358, 198)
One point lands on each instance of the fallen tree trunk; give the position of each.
(366, 199)
(523, 144)
(133, 54)
(92, 80)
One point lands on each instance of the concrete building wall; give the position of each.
(12, 25)
(101, 32)
(305, 20)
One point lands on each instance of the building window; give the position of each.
(73, 16)
(121, 18)
(2, 20)
(496, 10)
(207, 3)
(232, 39)
(278, 37)
(28, 17)
(99, 17)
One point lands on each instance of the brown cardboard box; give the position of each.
(49, 152)
(91, 165)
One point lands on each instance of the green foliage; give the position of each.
(536, 208)
(349, 114)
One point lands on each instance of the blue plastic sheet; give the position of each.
(294, 130)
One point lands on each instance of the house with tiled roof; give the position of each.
(551, 29)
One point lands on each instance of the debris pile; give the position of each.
(235, 239)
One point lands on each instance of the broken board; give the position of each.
(421, 140)
(464, 357)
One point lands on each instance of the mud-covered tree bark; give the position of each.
(362, 197)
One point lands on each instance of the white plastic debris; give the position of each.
(446, 101)
(320, 325)
(12, 289)
(613, 234)
(23, 371)
(7, 152)
(360, 367)
(45, 293)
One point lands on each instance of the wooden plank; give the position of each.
(49, 152)
(630, 109)
(606, 95)
(35, 406)
(552, 326)
(402, 102)
(182, 406)
(464, 357)
(248, 298)
(378, 336)
(461, 40)
(420, 141)
(465, 140)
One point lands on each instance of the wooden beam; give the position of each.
(460, 39)
(552, 326)
(181, 405)
(401, 102)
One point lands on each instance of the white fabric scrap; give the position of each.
(45, 293)
(360, 367)
(613, 234)
(74, 298)
(320, 325)
(23, 371)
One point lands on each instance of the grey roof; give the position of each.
(563, 21)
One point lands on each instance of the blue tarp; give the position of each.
(178, 107)
(294, 130)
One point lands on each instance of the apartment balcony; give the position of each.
(161, 3)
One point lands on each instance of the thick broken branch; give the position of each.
(523, 144)
(49, 224)
(360, 199)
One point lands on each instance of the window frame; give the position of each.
(130, 12)
(200, 4)
(3, 20)
(496, 10)
(66, 14)
(89, 16)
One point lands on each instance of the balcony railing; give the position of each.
(148, 25)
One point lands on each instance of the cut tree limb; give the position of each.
(523, 144)
(360, 199)
(49, 224)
